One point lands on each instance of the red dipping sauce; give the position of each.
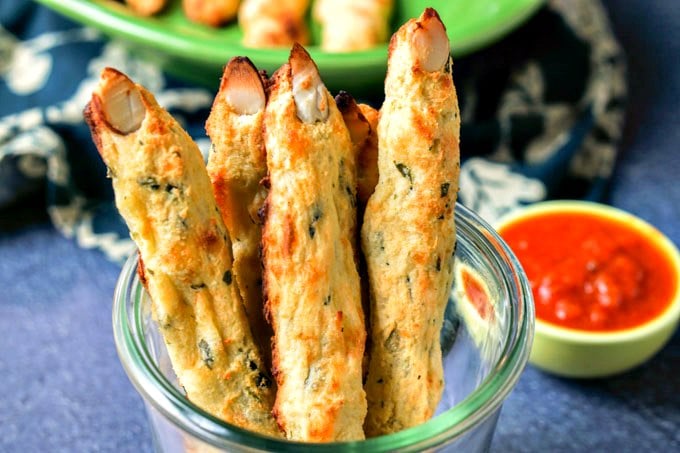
(591, 272)
(478, 297)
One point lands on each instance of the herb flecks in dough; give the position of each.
(316, 216)
(163, 192)
(237, 165)
(409, 225)
(206, 353)
(405, 171)
(444, 189)
(310, 272)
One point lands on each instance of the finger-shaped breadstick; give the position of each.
(273, 24)
(163, 192)
(362, 123)
(408, 234)
(310, 276)
(351, 25)
(236, 165)
(210, 12)
(146, 7)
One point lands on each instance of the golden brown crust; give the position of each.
(310, 275)
(210, 12)
(236, 165)
(351, 25)
(273, 24)
(163, 192)
(408, 235)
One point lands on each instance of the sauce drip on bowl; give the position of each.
(591, 272)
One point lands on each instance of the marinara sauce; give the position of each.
(591, 272)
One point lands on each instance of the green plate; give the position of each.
(197, 52)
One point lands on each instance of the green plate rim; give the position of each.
(114, 20)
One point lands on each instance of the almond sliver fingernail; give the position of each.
(242, 87)
(430, 43)
(308, 89)
(122, 102)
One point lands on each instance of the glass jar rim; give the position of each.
(453, 423)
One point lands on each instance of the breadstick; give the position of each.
(310, 275)
(210, 12)
(163, 192)
(408, 234)
(351, 25)
(362, 123)
(273, 24)
(236, 165)
(146, 7)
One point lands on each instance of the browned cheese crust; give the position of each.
(163, 192)
(210, 12)
(236, 165)
(408, 234)
(273, 24)
(351, 25)
(310, 276)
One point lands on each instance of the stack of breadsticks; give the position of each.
(209, 12)
(253, 263)
(346, 25)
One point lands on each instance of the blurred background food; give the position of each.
(346, 38)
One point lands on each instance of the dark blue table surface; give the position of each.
(63, 388)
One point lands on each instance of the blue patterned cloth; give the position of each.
(542, 114)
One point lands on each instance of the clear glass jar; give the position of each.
(482, 363)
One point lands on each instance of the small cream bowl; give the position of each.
(577, 353)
